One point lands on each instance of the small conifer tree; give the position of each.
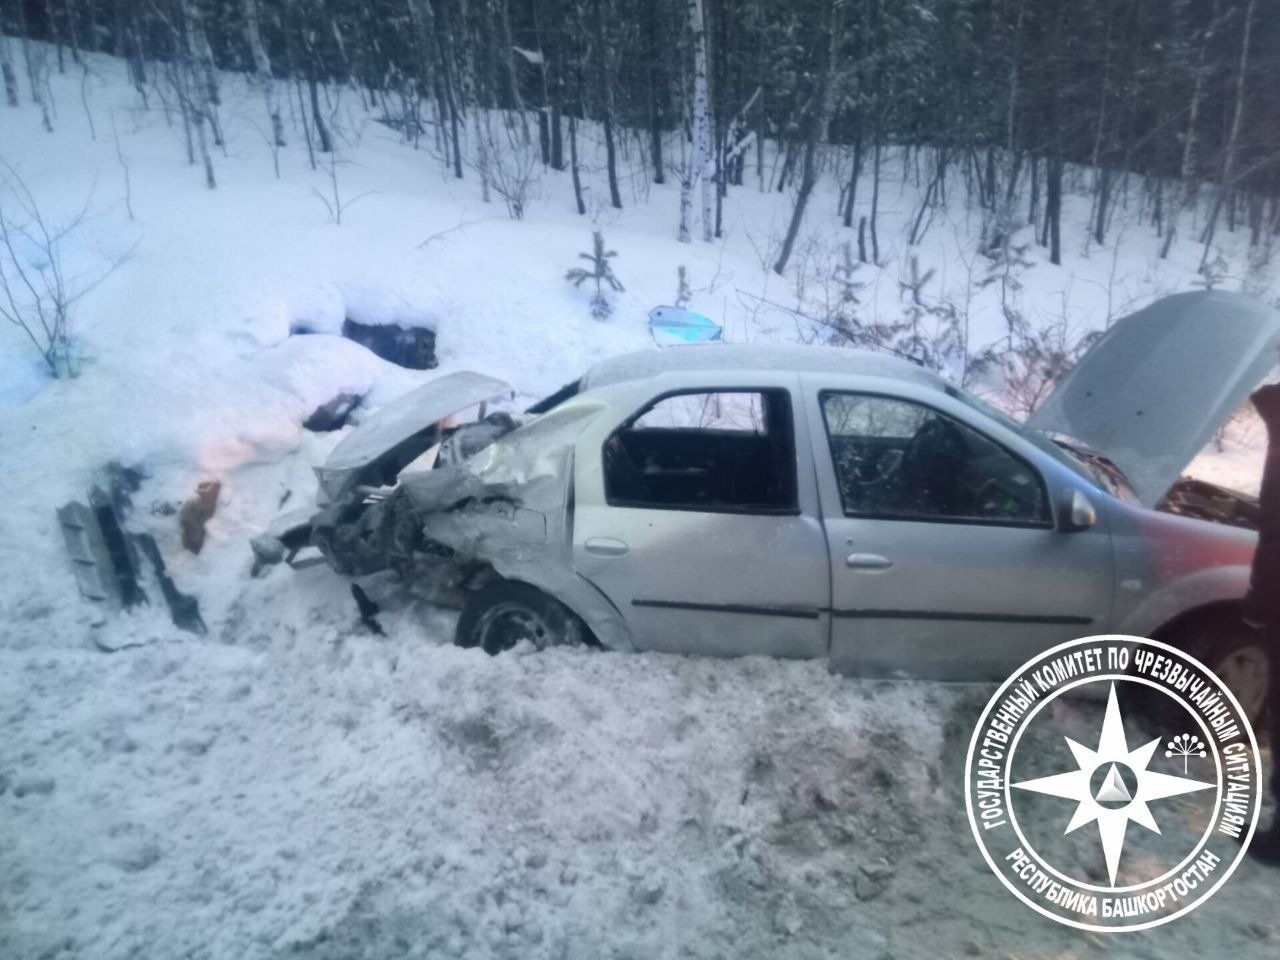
(601, 272)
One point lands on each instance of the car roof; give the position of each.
(722, 357)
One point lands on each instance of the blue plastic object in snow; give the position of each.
(676, 325)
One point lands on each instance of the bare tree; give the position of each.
(6, 69)
(604, 81)
(447, 84)
(36, 294)
(193, 91)
(262, 69)
(1190, 141)
(573, 164)
(656, 80)
(819, 115)
(1227, 181)
(501, 12)
(510, 168)
(35, 58)
(472, 119)
(333, 202)
(124, 166)
(205, 74)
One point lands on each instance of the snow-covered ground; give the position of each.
(291, 784)
(295, 787)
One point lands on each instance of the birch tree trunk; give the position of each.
(262, 68)
(699, 166)
(204, 74)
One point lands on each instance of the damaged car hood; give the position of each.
(403, 429)
(1153, 389)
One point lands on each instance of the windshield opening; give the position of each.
(1093, 467)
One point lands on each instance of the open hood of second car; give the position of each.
(1153, 389)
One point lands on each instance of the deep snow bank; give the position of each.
(289, 785)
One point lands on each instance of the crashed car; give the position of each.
(819, 502)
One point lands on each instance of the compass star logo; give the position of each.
(1079, 811)
(1113, 804)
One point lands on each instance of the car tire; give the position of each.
(1226, 645)
(1235, 652)
(499, 615)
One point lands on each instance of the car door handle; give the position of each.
(606, 547)
(867, 561)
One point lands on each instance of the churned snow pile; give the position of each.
(295, 787)
(291, 784)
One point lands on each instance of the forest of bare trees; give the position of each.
(1173, 101)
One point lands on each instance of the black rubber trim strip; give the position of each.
(948, 615)
(811, 613)
(763, 610)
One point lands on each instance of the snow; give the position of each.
(710, 356)
(290, 783)
(293, 787)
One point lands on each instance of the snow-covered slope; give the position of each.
(291, 784)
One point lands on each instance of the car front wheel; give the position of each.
(1235, 652)
(501, 614)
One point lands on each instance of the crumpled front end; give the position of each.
(496, 505)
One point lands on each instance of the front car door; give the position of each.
(945, 559)
(695, 513)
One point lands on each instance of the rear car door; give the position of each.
(946, 562)
(695, 513)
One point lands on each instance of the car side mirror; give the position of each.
(1077, 513)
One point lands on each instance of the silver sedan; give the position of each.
(809, 502)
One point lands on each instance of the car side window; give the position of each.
(720, 451)
(896, 458)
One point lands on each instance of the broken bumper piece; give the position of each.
(113, 565)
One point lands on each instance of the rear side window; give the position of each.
(718, 451)
(733, 412)
(899, 459)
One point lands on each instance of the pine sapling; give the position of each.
(601, 272)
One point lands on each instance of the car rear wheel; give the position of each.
(501, 614)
